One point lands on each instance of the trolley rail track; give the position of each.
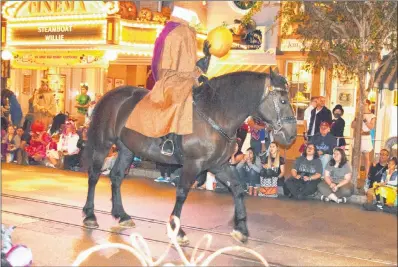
(160, 222)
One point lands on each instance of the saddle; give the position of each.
(171, 144)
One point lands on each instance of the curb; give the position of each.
(153, 174)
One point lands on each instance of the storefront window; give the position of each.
(300, 87)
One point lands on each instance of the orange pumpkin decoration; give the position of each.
(220, 39)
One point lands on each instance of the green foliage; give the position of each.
(349, 34)
(255, 9)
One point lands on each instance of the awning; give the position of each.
(221, 69)
(386, 74)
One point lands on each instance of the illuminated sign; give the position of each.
(76, 32)
(138, 35)
(36, 10)
(57, 58)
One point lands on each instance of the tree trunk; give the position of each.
(356, 151)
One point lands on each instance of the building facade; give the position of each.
(104, 44)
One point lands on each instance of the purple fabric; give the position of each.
(159, 44)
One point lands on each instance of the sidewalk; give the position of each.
(148, 170)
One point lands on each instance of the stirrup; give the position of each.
(167, 148)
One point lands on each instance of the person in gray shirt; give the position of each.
(337, 184)
(306, 174)
(249, 171)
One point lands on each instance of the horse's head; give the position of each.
(276, 110)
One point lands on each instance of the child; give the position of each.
(386, 190)
(109, 161)
(52, 152)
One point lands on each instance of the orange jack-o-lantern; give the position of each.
(220, 40)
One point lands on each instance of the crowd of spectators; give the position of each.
(322, 167)
(46, 138)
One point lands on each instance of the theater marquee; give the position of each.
(73, 32)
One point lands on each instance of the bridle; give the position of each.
(272, 91)
(269, 91)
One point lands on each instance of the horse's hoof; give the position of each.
(238, 236)
(90, 223)
(183, 241)
(127, 223)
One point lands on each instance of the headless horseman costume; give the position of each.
(167, 109)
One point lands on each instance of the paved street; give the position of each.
(45, 205)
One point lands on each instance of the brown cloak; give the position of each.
(44, 107)
(168, 107)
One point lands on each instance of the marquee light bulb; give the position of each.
(6, 55)
(110, 55)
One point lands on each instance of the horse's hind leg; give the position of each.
(229, 178)
(124, 159)
(188, 176)
(94, 172)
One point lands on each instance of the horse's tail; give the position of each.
(104, 130)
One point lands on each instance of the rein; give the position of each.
(270, 90)
(213, 124)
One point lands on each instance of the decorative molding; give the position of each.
(140, 249)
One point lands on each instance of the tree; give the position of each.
(347, 37)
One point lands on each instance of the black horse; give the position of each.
(220, 107)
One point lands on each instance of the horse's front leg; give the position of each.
(187, 178)
(124, 159)
(229, 177)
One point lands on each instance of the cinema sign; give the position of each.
(57, 22)
(72, 32)
(41, 10)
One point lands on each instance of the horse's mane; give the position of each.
(240, 88)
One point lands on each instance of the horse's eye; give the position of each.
(283, 101)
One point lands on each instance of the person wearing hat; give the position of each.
(166, 111)
(338, 125)
(44, 104)
(325, 142)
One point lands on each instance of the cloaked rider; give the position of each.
(167, 109)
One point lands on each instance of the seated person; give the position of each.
(376, 172)
(306, 174)
(81, 144)
(37, 147)
(325, 142)
(337, 185)
(386, 190)
(236, 157)
(52, 152)
(13, 141)
(109, 161)
(249, 172)
(257, 135)
(273, 170)
(22, 156)
(67, 147)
